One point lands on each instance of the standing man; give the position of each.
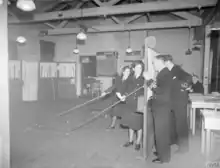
(161, 107)
(180, 82)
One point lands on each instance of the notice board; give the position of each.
(106, 63)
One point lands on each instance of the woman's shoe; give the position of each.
(137, 147)
(111, 128)
(127, 144)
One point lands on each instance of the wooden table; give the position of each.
(210, 122)
(203, 102)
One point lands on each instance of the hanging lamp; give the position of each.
(21, 40)
(129, 49)
(26, 5)
(189, 51)
(76, 50)
(81, 35)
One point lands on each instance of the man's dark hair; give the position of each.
(164, 57)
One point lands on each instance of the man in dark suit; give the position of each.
(181, 81)
(161, 107)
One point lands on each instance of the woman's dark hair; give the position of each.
(134, 64)
(124, 68)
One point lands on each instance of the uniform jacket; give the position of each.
(118, 86)
(162, 93)
(133, 84)
(179, 77)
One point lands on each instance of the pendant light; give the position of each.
(129, 49)
(21, 40)
(26, 5)
(76, 50)
(189, 51)
(81, 35)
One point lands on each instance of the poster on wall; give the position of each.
(106, 63)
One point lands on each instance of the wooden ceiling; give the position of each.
(56, 14)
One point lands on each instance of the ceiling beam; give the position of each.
(116, 20)
(132, 18)
(119, 9)
(126, 27)
(98, 2)
(65, 22)
(112, 2)
(187, 16)
(50, 25)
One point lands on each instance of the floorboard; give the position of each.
(39, 140)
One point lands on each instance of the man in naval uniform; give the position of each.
(161, 107)
(181, 81)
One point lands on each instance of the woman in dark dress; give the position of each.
(119, 88)
(131, 117)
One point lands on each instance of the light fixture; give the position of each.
(189, 50)
(81, 36)
(26, 5)
(129, 49)
(1, 2)
(76, 50)
(21, 39)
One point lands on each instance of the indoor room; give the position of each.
(63, 63)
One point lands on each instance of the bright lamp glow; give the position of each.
(1, 2)
(81, 36)
(26, 5)
(21, 39)
(129, 50)
(76, 51)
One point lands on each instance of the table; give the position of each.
(210, 122)
(204, 102)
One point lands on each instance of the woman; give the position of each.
(131, 118)
(119, 87)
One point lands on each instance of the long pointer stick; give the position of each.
(102, 112)
(78, 106)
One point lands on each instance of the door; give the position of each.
(30, 81)
(148, 140)
(88, 72)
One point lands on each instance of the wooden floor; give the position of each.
(39, 140)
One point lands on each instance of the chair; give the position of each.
(210, 126)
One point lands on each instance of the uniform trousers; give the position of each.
(162, 132)
(180, 112)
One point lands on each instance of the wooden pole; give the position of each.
(206, 59)
(145, 129)
(4, 98)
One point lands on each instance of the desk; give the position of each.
(210, 122)
(204, 102)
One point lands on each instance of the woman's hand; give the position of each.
(103, 94)
(118, 95)
(123, 98)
